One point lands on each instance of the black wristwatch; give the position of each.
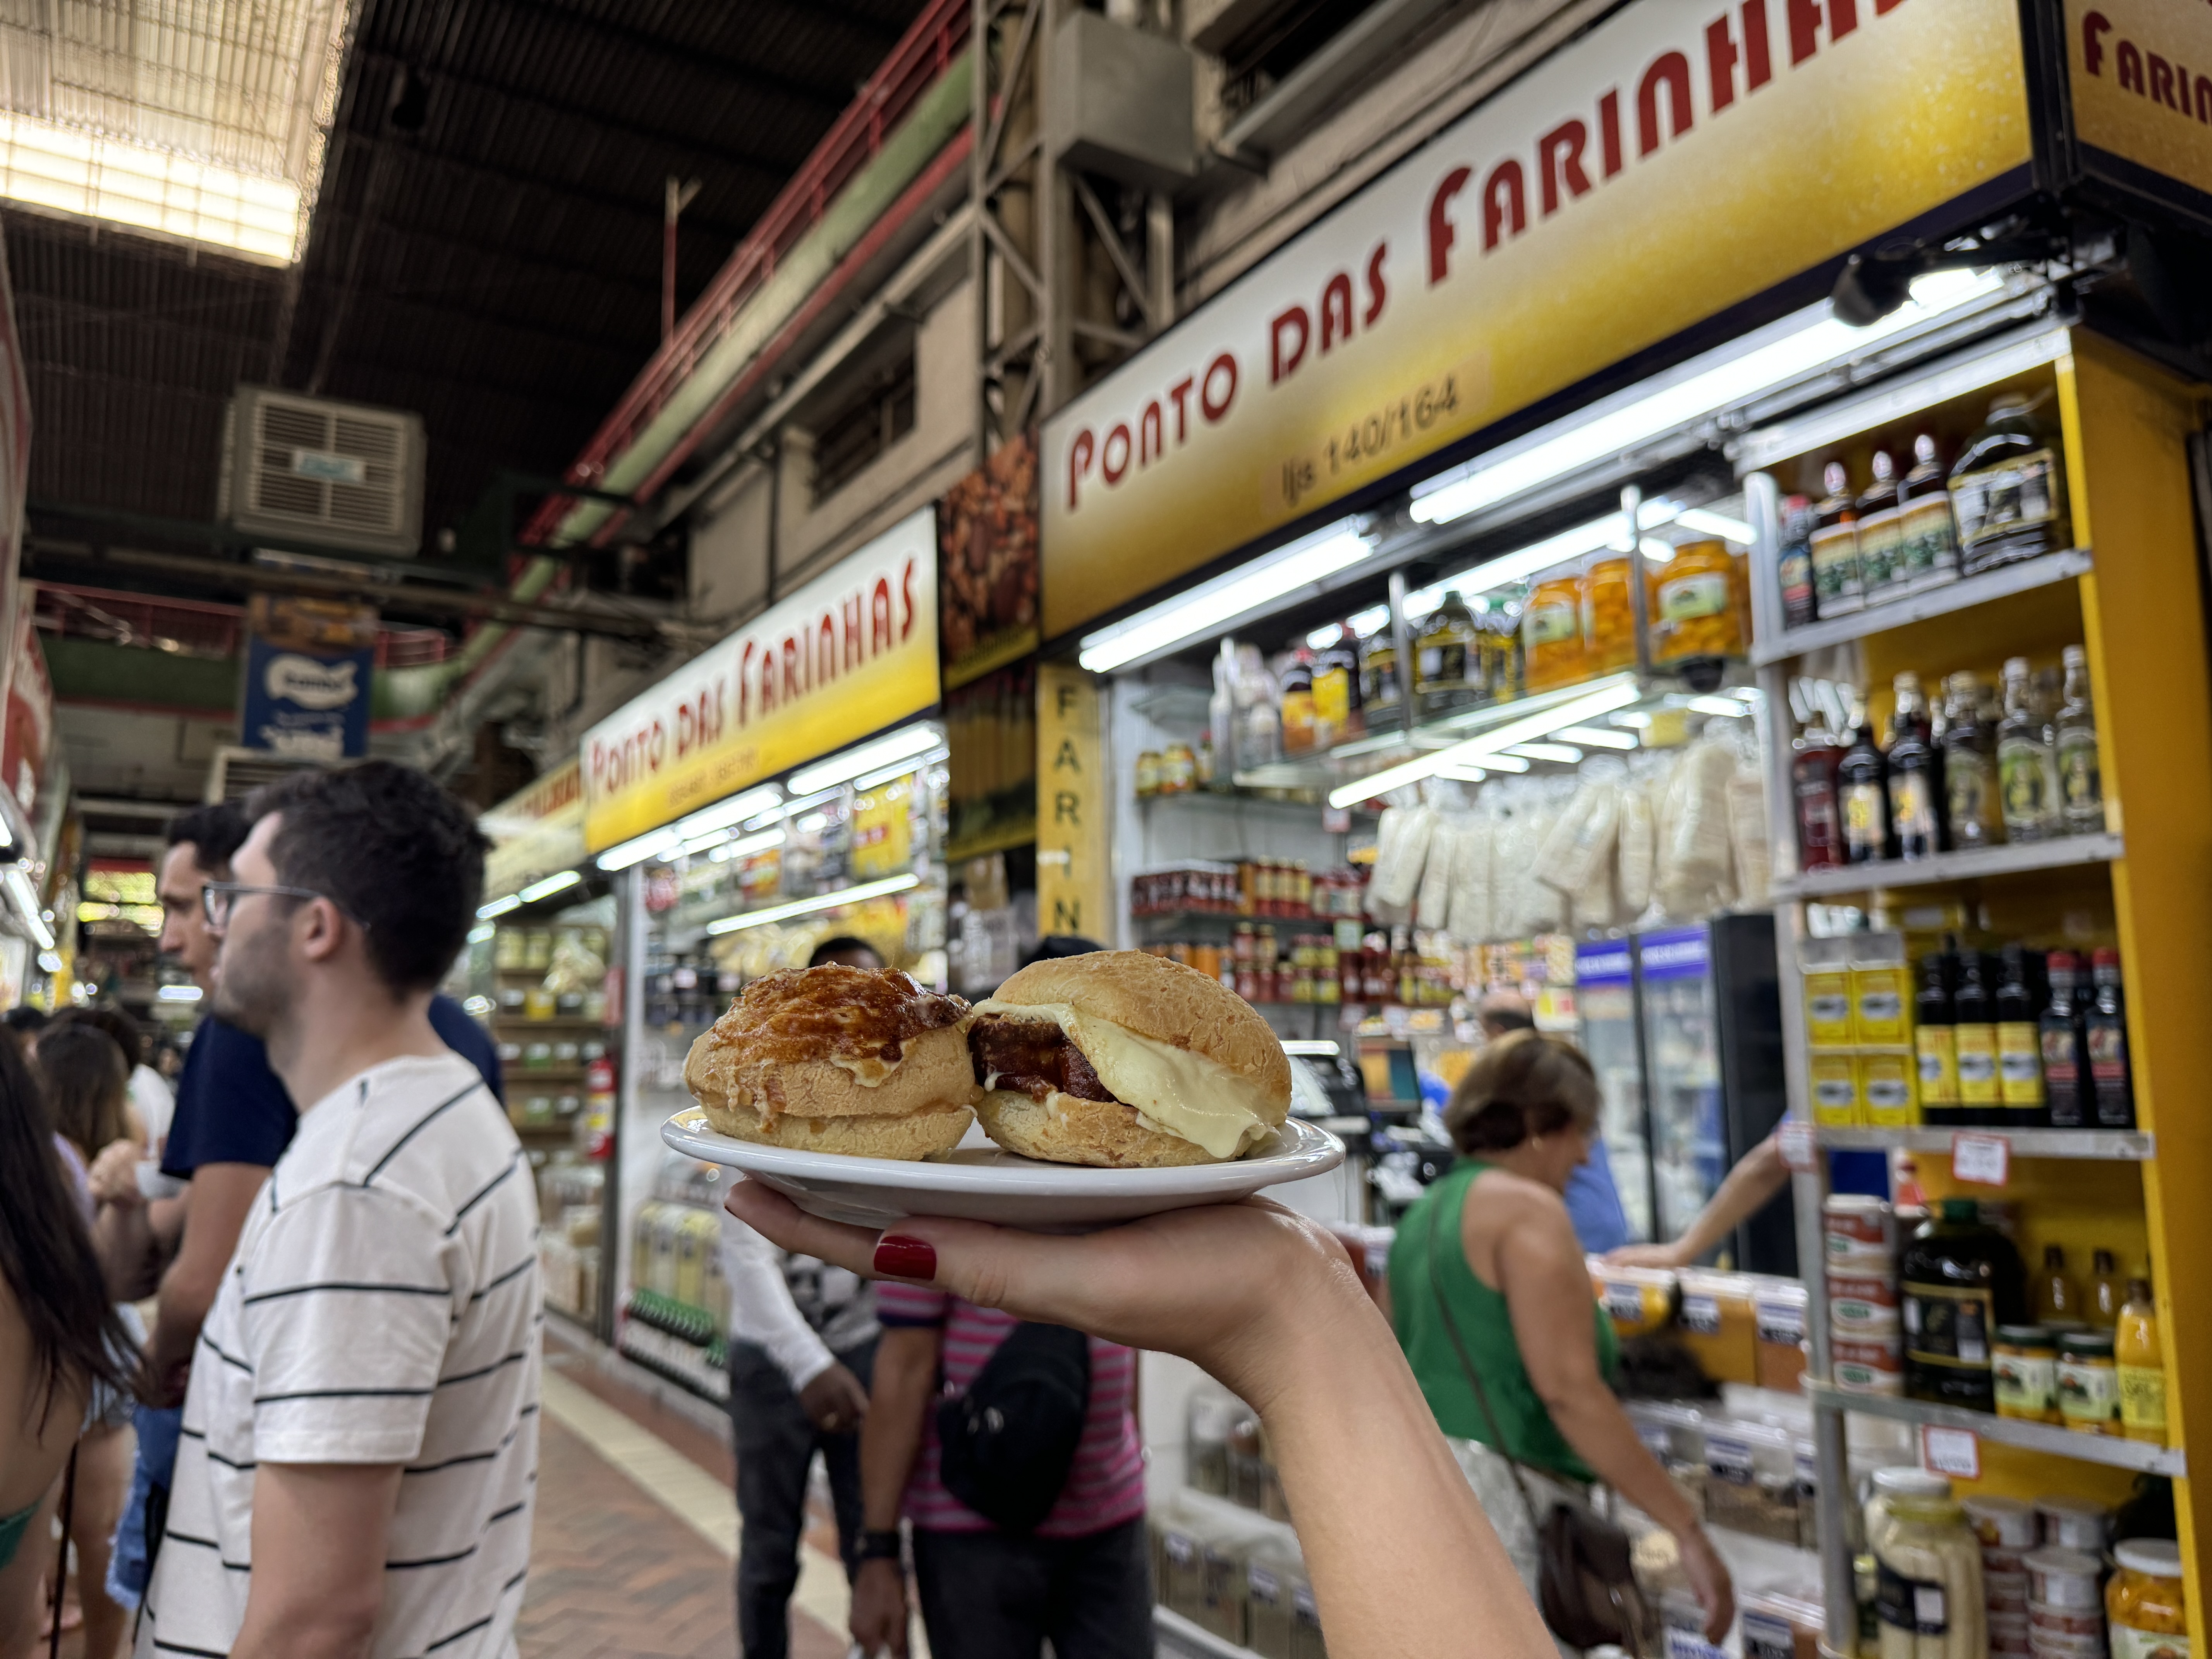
(879, 1545)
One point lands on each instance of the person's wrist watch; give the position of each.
(880, 1545)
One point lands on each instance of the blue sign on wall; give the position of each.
(310, 704)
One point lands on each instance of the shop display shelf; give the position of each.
(2108, 1449)
(1179, 1636)
(2017, 858)
(506, 1023)
(2109, 1145)
(1304, 800)
(569, 1077)
(1960, 595)
(1228, 918)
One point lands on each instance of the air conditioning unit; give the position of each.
(312, 470)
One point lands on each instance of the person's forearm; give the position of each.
(1748, 1189)
(1594, 1423)
(1360, 1458)
(283, 1636)
(180, 1308)
(890, 1440)
(129, 1256)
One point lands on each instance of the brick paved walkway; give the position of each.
(613, 1575)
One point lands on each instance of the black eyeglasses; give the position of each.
(217, 896)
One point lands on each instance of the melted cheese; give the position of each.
(1174, 1090)
(869, 1070)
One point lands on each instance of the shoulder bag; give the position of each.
(1586, 1588)
(1007, 1443)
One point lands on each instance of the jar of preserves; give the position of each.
(2088, 1382)
(2026, 1373)
(2146, 1602)
(1178, 773)
(1609, 613)
(1148, 773)
(1551, 630)
(1694, 613)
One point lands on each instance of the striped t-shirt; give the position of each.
(1105, 1487)
(382, 1307)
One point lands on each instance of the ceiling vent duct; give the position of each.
(328, 474)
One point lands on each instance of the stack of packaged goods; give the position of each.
(1224, 1555)
(1858, 1021)
(2015, 1038)
(1866, 1331)
(2065, 1603)
(2008, 1532)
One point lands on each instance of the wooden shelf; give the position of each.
(2108, 1449)
(1980, 863)
(2109, 1145)
(1960, 595)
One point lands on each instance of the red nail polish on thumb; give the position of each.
(898, 1257)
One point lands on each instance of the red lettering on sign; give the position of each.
(1108, 468)
(1440, 224)
(1335, 311)
(1179, 394)
(1804, 17)
(1670, 71)
(1757, 63)
(1561, 151)
(1211, 407)
(1377, 290)
(1608, 128)
(1504, 202)
(1720, 59)
(1150, 447)
(1079, 455)
(880, 618)
(2132, 66)
(1280, 363)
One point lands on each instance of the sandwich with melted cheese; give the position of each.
(1125, 1060)
(838, 1059)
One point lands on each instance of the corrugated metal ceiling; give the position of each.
(491, 259)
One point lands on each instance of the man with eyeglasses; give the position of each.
(359, 1444)
(232, 1122)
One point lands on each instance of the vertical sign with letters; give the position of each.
(1075, 808)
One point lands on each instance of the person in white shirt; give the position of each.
(802, 1358)
(360, 1441)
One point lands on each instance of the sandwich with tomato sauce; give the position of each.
(1124, 1061)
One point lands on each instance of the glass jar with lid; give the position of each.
(1551, 630)
(1695, 612)
(1929, 1596)
(2146, 1603)
(1608, 612)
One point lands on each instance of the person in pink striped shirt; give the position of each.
(1081, 1577)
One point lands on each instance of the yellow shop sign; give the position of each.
(1673, 162)
(2141, 74)
(852, 651)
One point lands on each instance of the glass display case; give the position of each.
(863, 857)
(1605, 997)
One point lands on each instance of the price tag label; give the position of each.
(1955, 1452)
(1985, 1160)
(1795, 1140)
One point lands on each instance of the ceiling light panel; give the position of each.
(204, 124)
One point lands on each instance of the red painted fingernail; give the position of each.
(905, 1258)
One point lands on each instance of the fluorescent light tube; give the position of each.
(27, 904)
(559, 882)
(1728, 377)
(1214, 605)
(636, 850)
(1605, 696)
(807, 907)
(1717, 524)
(724, 813)
(1464, 774)
(498, 907)
(898, 745)
(481, 931)
(171, 993)
(1316, 1047)
(1512, 566)
(50, 961)
(1565, 754)
(902, 768)
(1596, 736)
(1728, 706)
(746, 845)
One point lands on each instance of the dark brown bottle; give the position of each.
(1881, 535)
(1916, 776)
(1930, 535)
(1961, 1280)
(1812, 762)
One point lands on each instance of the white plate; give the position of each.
(985, 1182)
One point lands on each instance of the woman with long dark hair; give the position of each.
(85, 1076)
(59, 1337)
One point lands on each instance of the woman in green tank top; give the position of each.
(1486, 1273)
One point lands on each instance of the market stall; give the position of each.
(1454, 628)
(786, 786)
